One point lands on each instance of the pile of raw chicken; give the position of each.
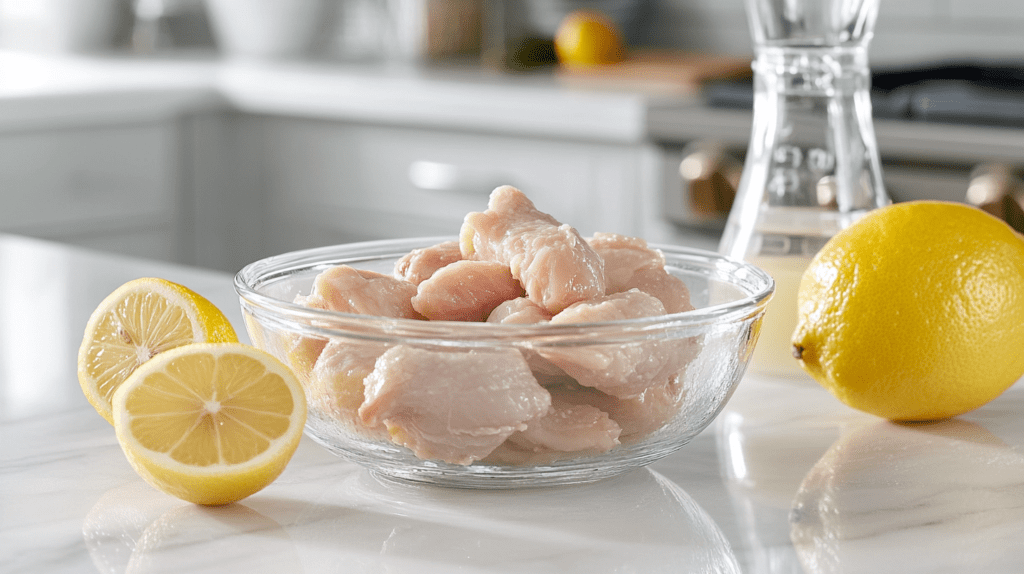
(512, 264)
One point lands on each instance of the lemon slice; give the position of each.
(210, 423)
(138, 320)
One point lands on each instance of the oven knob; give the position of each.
(710, 178)
(996, 189)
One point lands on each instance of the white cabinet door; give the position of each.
(223, 187)
(331, 182)
(113, 187)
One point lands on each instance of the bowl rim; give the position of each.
(248, 279)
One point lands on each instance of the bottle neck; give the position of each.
(812, 166)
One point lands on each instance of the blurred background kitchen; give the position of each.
(216, 132)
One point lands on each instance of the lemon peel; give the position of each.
(915, 312)
(588, 38)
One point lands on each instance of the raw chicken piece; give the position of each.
(523, 311)
(518, 311)
(569, 427)
(623, 255)
(551, 261)
(343, 288)
(637, 416)
(630, 264)
(419, 264)
(631, 304)
(465, 291)
(623, 370)
(510, 454)
(670, 290)
(301, 351)
(335, 386)
(452, 406)
(349, 290)
(313, 299)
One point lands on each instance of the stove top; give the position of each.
(962, 92)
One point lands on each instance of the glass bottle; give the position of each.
(812, 165)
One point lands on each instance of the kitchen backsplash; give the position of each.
(906, 31)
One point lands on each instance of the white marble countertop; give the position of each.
(786, 480)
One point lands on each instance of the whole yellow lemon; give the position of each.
(915, 312)
(587, 38)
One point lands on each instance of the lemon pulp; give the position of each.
(139, 320)
(210, 423)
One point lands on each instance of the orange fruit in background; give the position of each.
(588, 38)
(915, 312)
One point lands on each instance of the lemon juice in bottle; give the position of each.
(812, 165)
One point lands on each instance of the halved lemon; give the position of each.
(210, 423)
(139, 320)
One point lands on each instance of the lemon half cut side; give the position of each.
(210, 423)
(139, 320)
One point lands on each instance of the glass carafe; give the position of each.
(812, 165)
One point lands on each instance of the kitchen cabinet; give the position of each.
(220, 163)
(219, 188)
(223, 189)
(108, 186)
(329, 182)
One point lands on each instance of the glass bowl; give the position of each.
(706, 351)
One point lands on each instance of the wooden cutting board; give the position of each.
(659, 71)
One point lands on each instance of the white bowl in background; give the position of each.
(59, 26)
(266, 28)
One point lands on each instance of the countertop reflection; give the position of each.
(967, 517)
(372, 525)
(819, 488)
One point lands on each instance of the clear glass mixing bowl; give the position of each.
(717, 339)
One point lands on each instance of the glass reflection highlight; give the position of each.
(944, 496)
(134, 528)
(355, 522)
(639, 522)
